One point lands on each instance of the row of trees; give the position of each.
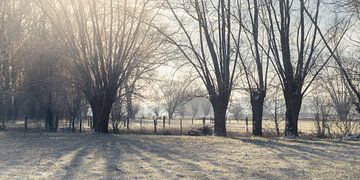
(103, 53)
(59, 57)
(285, 34)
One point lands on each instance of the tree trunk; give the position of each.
(204, 122)
(101, 111)
(73, 124)
(257, 105)
(318, 126)
(293, 107)
(220, 104)
(181, 126)
(155, 124)
(164, 119)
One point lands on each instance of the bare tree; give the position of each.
(44, 73)
(194, 108)
(341, 97)
(143, 75)
(236, 110)
(213, 53)
(176, 94)
(156, 110)
(256, 77)
(105, 40)
(182, 111)
(322, 108)
(74, 104)
(12, 35)
(296, 72)
(206, 107)
(333, 47)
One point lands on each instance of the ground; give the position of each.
(35, 155)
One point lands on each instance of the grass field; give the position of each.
(32, 155)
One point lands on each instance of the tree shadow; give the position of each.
(308, 149)
(169, 157)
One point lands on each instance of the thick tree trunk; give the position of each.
(220, 104)
(257, 105)
(101, 111)
(293, 107)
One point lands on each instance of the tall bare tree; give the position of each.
(332, 47)
(12, 35)
(209, 41)
(256, 78)
(297, 60)
(176, 94)
(105, 40)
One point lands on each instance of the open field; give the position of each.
(29, 155)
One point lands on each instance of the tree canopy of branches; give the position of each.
(12, 34)
(213, 53)
(107, 41)
(176, 94)
(294, 70)
(256, 78)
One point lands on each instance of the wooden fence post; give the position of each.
(164, 122)
(192, 121)
(247, 124)
(155, 123)
(204, 122)
(181, 126)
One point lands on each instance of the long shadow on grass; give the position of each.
(181, 160)
(34, 148)
(104, 147)
(307, 150)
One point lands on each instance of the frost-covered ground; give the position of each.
(29, 155)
